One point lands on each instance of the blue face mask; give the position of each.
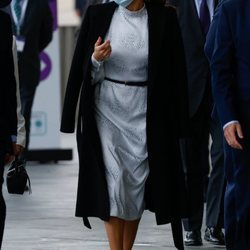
(124, 3)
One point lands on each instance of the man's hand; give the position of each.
(232, 132)
(18, 149)
(102, 50)
(8, 158)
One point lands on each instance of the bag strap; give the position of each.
(29, 184)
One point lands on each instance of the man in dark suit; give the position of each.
(33, 27)
(8, 115)
(195, 17)
(231, 88)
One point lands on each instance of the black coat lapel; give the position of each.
(100, 18)
(156, 24)
(103, 21)
(197, 20)
(194, 9)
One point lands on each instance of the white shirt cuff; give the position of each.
(95, 63)
(229, 123)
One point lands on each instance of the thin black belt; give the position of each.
(127, 83)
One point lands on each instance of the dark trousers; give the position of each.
(194, 151)
(217, 181)
(237, 196)
(195, 155)
(27, 94)
(2, 202)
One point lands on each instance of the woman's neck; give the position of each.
(136, 5)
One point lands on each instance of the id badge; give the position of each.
(20, 43)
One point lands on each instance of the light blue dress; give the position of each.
(120, 112)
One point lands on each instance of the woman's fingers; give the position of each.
(98, 42)
(102, 51)
(105, 45)
(105, 50)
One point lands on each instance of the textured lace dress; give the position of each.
(120, 112)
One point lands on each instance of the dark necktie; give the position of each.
(18, 10)
(204, 17)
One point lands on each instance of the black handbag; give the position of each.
(17, 177)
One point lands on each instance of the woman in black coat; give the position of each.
(127, 47)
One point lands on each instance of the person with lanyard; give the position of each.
(33, 28)
(195, 17)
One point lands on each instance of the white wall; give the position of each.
(67, 16)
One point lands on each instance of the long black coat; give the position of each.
(167, 115)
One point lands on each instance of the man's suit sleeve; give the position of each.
(46, 30)
(222, 64)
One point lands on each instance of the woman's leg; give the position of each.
(130, 231)
(115, 228)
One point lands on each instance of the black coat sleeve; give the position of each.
(75, 77)
(46, 30)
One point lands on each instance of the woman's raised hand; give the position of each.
(102, 50)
